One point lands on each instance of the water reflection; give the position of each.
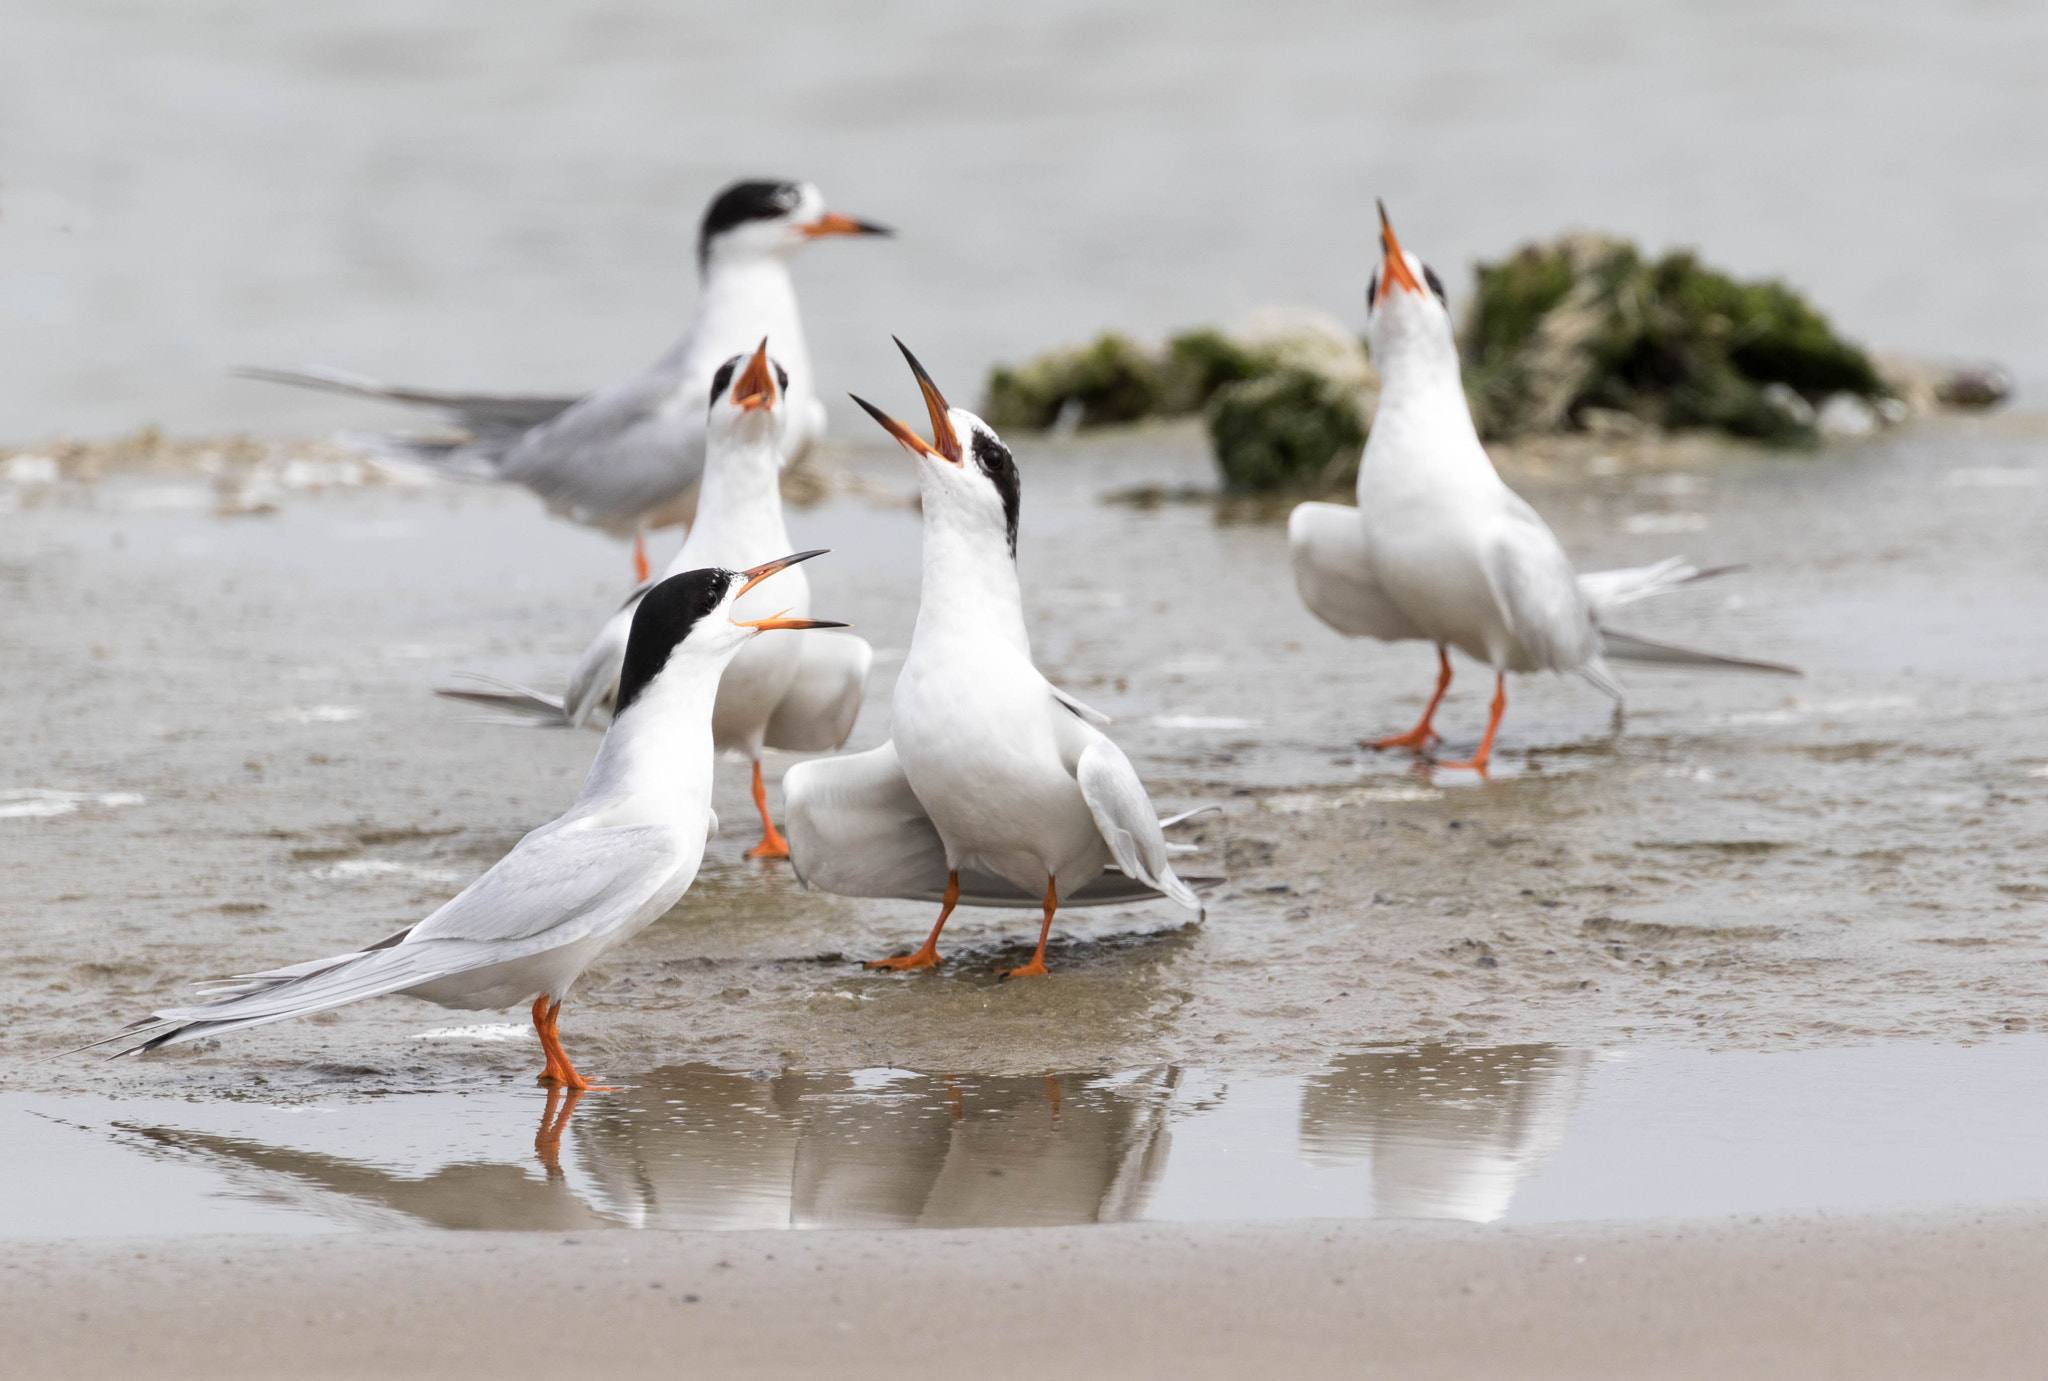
(1435, 1132)
(1448, 1132)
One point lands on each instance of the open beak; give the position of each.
(759, 573)
(832, 223)
(755, 388)
(1395, 269)
(945, 441)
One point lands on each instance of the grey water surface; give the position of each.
(503, 195)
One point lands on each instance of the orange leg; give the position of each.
(1052, 1094)
(1036, 967)
(1500, 705)
(558, 1059)
(554, 1119)
(928, 955)
(640, 568)
(772, 844)
(1418, 737)
(553, 1073)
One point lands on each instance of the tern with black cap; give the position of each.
(1440, 550)
(622, 854)
(625, 458)
(795, 695)
(996, 788)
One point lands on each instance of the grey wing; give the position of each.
(1327, 547)
(521, 704)
(856, 828)
(1129, 825)
(560, 883)
(485, 415)
(1606, 591)
(618, 454)
(1087, 714)
(1538, 593)
(556, 887)
(595, 680)
(817, 712)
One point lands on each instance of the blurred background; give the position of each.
(504, 194)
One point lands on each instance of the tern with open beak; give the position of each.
(622, 854)
(624, 458)
(996, 789)
(796, 695)
(1440, 550)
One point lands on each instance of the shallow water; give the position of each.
(503, 195)
(1532, 1133)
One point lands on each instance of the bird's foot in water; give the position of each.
(774, 846)
(1035, 969)
(1416, 740)
(926, 958)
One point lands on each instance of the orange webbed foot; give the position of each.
(1035, 969)
(1416, 740)
(926, 958)
(774, 846)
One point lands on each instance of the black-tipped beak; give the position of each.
(754, 390)
(757, 574)
(780, 622)
(832, 223)
(945, 440)
(1396, 269)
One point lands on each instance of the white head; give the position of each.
(1407, 315)
(762, 219)
(685, 624)
(967, 475)
(747, 394)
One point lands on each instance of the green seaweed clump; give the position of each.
(1111, 381)
(1286, 429)
(1587, 322)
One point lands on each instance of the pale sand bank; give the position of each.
(1947, 1295)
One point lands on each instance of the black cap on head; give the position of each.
(743, 202)
(993, 458)
(665, 617)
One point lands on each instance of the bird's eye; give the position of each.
(782, 378)
(1436, 285)
(722, 380)
(1372, 290)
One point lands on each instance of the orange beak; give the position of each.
(832, 223)
(754, 390)
(945, 441)
(759, 573)
(1395, 269)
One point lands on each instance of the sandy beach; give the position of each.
(1951, 1295)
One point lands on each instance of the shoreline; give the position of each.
(1949, 1293)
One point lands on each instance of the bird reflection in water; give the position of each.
(1435, 1132)
(1450, 1131)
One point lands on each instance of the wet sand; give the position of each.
(240, 706)
(1800, 1296)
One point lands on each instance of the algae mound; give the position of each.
(1284, 401)
(1587, 322)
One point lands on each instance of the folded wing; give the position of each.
(817, 712)
(1326, 544)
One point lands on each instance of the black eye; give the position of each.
(995, 461)
(722, 380)
(1436, 284)
(782, 378)
(1372, 290)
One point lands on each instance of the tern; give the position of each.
(1440, 550)
(997, 788)
(797, 695)
(624, 458)
(577, 887)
